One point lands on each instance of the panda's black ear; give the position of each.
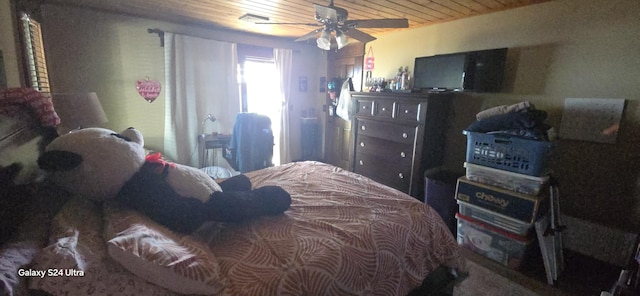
(57, 160)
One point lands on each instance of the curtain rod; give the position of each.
(160, 34)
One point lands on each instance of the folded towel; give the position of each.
(344, 101)
(504, 109)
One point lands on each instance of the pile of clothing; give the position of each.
(521, 119)
(13, 99)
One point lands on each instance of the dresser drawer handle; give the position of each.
(361, 144)
(361, 162)
(403, 155)
(363, 128)
(406, 111)
(401, 176)
(364, 107)
(384, 109)
(405, 135)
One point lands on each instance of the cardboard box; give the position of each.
(523, 207)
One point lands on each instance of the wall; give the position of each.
(8, 43)
(560, 49)
(106, 53)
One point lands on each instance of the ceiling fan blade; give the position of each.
(297, 24)
(309, 35)
(378, 23)
(359, 35)
(326, 13)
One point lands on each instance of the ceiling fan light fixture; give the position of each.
(341, 39)
(331, 19)
(324, 41)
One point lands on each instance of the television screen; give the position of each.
(485, 70)
(477, 71)
(439, 72)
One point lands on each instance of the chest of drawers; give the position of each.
(397, 136)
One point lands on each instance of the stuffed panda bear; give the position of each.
(100, 164)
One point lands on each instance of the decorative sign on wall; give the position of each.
(369, 61)
(595, 120)
(148, 89)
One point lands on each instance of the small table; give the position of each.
(212, 142)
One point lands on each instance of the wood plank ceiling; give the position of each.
(226, 13)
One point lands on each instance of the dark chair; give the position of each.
(251, 145)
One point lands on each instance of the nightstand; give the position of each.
(211, 142)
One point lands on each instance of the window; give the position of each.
(35, 62)
(262, 95)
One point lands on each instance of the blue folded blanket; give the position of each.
(516, 120)
(527, 124)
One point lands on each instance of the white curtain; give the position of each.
(200, 79)
(283, 59)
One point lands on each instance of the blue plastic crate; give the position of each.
(509, 153)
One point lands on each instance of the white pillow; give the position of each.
(170, 260)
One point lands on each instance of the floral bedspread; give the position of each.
(343, 235)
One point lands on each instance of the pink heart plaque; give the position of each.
(148, 89)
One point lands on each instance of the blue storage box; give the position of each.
(508, 153)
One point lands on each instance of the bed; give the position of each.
(343, 235)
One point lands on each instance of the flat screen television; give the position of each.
(476, 71)
(445, 72)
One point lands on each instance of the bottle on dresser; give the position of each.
(406, 79)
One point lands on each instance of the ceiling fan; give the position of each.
(333, 19)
